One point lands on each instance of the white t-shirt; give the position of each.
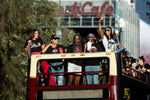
(110, 45)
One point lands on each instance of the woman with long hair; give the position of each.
(34, 43)
(110, 43)
(74, 65)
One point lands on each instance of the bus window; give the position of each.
(91, 71)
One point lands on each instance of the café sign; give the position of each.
(93, 10)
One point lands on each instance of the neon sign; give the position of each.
(94, 10)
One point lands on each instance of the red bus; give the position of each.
(113, 83)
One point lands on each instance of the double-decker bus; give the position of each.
(113, 83)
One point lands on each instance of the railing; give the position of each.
(103, 75)
(136, 74)
(87, 21)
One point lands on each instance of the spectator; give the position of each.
(35, 42)
(110, 43)
(55, 65)
(126, 65)
(34, 45)
(133, 66)
(75, 65)
(92, 64)
(92, 45)
(142, 68)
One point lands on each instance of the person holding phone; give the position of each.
(92, 64)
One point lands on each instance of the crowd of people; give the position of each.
(135, 68)
(107, 43)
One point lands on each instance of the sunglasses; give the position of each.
(77, 38)
(108, 30)
(90, 37)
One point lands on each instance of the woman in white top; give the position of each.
(109, 42)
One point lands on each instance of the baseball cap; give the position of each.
(54, 37)
(91, 35)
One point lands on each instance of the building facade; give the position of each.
(83, 16)
(132, 3)
(130, 35)
(142, 7)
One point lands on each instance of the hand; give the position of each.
(94, 49)
(144, 69)
(29, 42)
(138, 70)
(101, 18)
(119, 46)
(100, 40)
(50, 45)
(77, 51)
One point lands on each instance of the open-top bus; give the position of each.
(113, 83)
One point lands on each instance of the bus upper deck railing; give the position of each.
(139, 75)
(72, 72)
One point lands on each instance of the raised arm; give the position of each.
(43, 46)
(100, 28)
(85, 46)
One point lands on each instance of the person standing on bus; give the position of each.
(75, 64)
(92, 64)
(55, 65)
(142, 67)
(110, 43)
(35, 43)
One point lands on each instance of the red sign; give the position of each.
(94, 10)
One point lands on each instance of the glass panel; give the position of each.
(75, 21)
(96, 22)
(87, 21)
(64, 72)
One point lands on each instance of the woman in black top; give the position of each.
(142, 67)
(34, 43)
(75, 64)
(56, 65)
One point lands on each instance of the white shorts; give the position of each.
(74, 68)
